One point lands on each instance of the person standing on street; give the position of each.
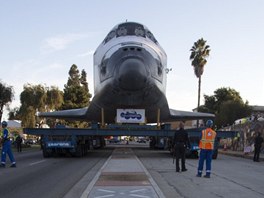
(206, 146)
(6, 147)
(258, 142)
(180, 141)
(19, 143)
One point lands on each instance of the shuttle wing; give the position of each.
(85, 114)
(76, 114)
(188, 115)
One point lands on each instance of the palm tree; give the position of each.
(199, 52)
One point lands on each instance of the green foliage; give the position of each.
(227, 105)
(199, 52)
(84, 83)
(32, 99)
(14, 114)
(76, 92)
(230, 111)
(36, 98)
(28, 118)
(210, 103)
(220, 96)
(54, 98)
(6, 96)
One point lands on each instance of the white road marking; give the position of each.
(38, 162)
(142, 196)
(105, 196)
(103, 190)
(138, 190)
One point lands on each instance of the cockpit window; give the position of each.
(130, 29)
(151, 36)
(121, 31)
(109, 36)
(139, 31)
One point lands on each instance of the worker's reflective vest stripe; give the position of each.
(207, 140)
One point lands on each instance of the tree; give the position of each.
(230, 111)
(6, 96)
(84, 83)
(14, 114)
(83, 80)
(227, 105)
(76, 92)
(220, 96)
(35, 96)
(28, 116)
(199, 52)
(32, 99)
(54, 98)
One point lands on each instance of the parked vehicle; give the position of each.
(30, 141)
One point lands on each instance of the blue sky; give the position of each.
(40, 40)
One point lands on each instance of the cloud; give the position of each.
(54, 66)
(61, 42)
(91, 52)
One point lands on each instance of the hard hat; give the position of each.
(209, 123)
(4, 123)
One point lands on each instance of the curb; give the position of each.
(242, 155)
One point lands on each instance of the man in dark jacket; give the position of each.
(180, 142)
(19, 143)
(258, 142)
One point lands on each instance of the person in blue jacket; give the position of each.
(6, 148)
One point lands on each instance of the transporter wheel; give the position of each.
(78, 151)
(45, 153)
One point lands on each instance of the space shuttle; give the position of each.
(130, 73)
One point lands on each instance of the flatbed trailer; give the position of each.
(77, 141)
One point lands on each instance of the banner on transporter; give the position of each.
(130, 116)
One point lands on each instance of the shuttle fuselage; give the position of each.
(129, 73)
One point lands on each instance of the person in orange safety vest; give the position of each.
(206, 146)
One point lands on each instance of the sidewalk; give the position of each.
(123, 175)
(240, 154)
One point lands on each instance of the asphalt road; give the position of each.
(36, 176)
(66, 177)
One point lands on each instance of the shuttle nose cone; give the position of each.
(132, 75)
